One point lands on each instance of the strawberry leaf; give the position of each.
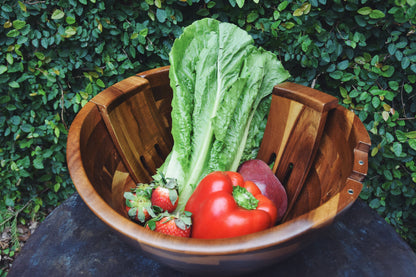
(132, 212)
(180, 224)
(140, 215)
(188, 214)
(150, 211)
(157, 209)
(151, 224)
(129, 196)
(173, 196)
(143, 190)
(171, 183)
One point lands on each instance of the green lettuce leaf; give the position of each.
(222, 88)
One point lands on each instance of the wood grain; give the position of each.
(295, 124)
(130, 113)
(341, 158)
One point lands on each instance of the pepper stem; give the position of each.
(244, 198)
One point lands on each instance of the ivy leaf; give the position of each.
(9, 58)
(100, 83)
(343, 65)
(288, 25)
(336, 75)
(304, 9)
(389, 137)
(413, 68)
(397, 149)
(398, 55)
(56, 187)
(3, 69)
(388, 175)
(22, 6)
(57, 14)
(15, 120)
(405, 62)
(9, 202)
(38, 163)
(343, 92)
(70, 20)
(392, 48)
(298, 12)
(401, 136)
(161, 15)
(374, 151)
(13, 33)
(14, 84)
(365, 11)
(385, 115)
(408, 88)
(40, 55)
(26, 128)
(18, 24)
(394, 85)
(252, 16)
(375, 101)
(70, 31)
(44, 42)
(240, 3)
(376, 14)
(158, 4)
(411, 135)
(7, 24)
(375, 203)
(144, 32)
(282, 5)
(412, 143)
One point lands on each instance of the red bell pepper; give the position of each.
(224, 205)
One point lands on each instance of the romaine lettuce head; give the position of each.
(222, 85)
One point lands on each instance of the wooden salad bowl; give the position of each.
(319, 151)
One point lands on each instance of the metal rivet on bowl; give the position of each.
(360, 162)
(351, 191)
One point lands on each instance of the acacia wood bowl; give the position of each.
(319, 150)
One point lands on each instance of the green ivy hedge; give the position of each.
(56, 55)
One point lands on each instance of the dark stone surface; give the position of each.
(72, 241)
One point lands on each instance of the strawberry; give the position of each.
(165, 195)
(146, 201)
(166, 199)
(138, 204)
(172, 225)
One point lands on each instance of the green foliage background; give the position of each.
(56, 55)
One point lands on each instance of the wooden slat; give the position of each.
(136, 128)
(340, 159)
(293, 132)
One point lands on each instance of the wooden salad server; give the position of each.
(294, 128)
(131, 113)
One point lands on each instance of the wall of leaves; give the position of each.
(56, 55)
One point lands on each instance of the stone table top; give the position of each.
(72, 241)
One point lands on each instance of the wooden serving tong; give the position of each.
(132, 112)
(294, 128)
